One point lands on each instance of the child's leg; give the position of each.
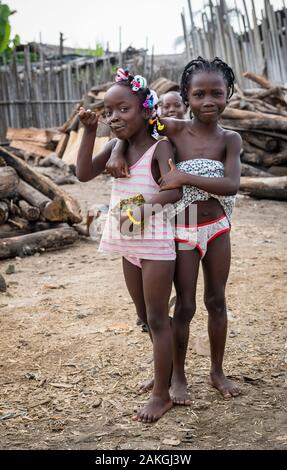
(186, 274)
(157, 283)
(134, 282)
(216, 264)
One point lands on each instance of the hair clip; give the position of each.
(122, 75)
(138, 83)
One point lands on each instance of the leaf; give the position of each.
(5, 39)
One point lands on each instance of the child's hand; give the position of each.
(173, 179)
(127, 227)
(89, 119)
(117, 167)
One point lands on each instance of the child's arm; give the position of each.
(155, 204)
(226, 186)
(88, 167)
(117, 165)
(163, 155)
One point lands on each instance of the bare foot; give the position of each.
(226, 387)
(178, 393)
(146, 386)
(153, 410)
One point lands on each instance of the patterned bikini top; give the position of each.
(208, 168)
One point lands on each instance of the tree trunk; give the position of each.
(27, 245)
(265, 188)
(44, 185)
(8, 181)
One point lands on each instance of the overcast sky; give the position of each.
(86, 22)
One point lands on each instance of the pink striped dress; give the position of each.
(156, 242)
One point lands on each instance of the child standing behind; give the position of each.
(145, 243)
(172, 105)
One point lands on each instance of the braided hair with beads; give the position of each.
(203, 65)
(148, 98)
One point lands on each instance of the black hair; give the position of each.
(142, 95)
(203, 65)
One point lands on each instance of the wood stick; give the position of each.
(27, 245)
(262, 81)
(250, 170)
(9, 181)
(9, 230)
(4, 212)
(265, 188)
(29, 212)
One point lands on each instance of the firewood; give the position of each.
(52, 210)
(29, 212)
(71, 152)
(32, 195)
(274, 159)
(263, 142)
(251, 157)
(238, 114)
(62, 144)
(250, 170)
(4, 212)
(9, 181)
(27, 245)
(32, 134)
(13, 230)
(44, 185)
(262, 81)
(265, 188)
(18, 222)
(30, 148)
(64, 128)
(278, 170)
(54, 160)
(269, 122)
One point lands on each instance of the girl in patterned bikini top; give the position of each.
(208, 170)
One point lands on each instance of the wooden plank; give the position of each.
(30, 134)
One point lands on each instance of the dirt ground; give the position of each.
(71, 356)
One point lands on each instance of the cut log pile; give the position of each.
(260, 116)
(35, 213)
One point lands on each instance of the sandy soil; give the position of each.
(71, 356)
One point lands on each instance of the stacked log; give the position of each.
(35, 145)
(35, 213)
(260, 116)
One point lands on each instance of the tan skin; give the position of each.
(150, 287)
(201, 137)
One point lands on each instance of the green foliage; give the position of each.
(98, 52)
(6, 43)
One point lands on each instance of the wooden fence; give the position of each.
(255, 42)
(44, 96)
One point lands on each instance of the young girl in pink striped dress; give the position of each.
(142, 235)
